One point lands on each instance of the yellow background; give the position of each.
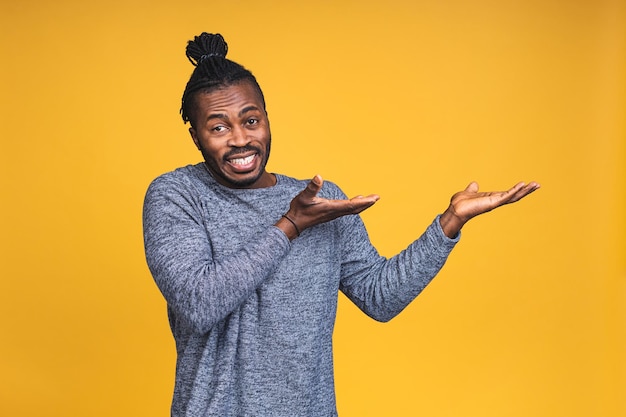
(407, 99)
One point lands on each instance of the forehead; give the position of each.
(232, 97)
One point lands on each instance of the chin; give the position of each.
(242, 181)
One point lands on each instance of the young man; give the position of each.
(251, 262)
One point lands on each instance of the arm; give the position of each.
(200, 289)
(383, 288)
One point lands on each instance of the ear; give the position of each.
(192, 132)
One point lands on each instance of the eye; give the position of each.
(252, 121)
(219, 129)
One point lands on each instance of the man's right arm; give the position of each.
(200, 289)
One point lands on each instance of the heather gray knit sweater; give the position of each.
(252, 313)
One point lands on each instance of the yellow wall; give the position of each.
(407, 99)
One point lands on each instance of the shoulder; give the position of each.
(185, 182)
(188, 175)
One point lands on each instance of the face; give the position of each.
(232, 131)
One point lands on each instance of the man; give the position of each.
(251, 262)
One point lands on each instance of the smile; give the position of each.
(244, 164)
(243, 161)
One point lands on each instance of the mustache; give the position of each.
(242, 150)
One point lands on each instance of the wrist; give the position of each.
(288, 226)
(450, 223)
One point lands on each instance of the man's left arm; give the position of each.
(381, 287)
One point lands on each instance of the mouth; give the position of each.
(243, 163)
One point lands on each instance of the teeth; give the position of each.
(242, 161)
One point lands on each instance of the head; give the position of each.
(226, 109)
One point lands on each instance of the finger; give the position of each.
(354, 205)
(524, 191)
(534, 185)
(313, 187)
(520, 191)
(516, 189)
(472, 187)
(363, 205)
(371, 197)
(499, 198)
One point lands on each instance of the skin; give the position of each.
(232, 131)
(469, 203)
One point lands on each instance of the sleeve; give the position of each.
(199, 289)
(382, 287)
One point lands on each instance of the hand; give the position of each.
(469, 203)
(307, 209)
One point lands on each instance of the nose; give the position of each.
(238, 137)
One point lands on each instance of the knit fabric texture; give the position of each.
(252, 313)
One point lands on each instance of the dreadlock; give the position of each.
(207, 53)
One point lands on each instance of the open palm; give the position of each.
(470, 202)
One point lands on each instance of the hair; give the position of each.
(213, 71)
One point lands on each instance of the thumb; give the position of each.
(313, 187)
(472, 187)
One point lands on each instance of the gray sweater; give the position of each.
(252, 313)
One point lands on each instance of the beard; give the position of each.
(237, 182)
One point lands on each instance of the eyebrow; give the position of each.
(247, 109)
(241, 113)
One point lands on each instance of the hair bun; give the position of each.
(205, 46)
